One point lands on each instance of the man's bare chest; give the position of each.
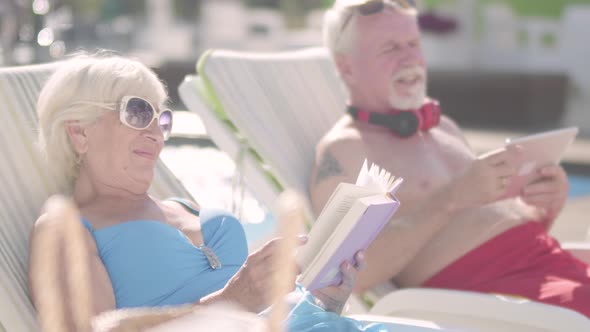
(426, 163)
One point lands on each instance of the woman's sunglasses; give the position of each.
(371, 7)
(138, 113)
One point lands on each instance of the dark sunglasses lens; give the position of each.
(165, 123)
(139, 113)
(406, 3)
(377, 6)
(371, 7)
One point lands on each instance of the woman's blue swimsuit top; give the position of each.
(151, 263)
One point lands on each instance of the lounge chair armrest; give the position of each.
(580, 250)
(401, 324)
(360, 304)
(461, 310)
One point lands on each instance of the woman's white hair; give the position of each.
(342, 41)
(101, 78)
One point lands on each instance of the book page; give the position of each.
(377, 179)
(338, 205)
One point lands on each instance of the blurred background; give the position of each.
(521, 62)
(499, 67)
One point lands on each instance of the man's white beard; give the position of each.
(417, 92)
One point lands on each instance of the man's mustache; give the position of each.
(413, 70)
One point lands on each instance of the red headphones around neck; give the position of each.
(402, 123)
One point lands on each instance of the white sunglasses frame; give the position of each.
(123, 111)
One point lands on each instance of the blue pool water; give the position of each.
(579, 186)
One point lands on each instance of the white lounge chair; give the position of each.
(24, 187)
(268, 111)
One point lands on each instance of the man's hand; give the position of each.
(548, 192)
(334, 298)
(486, 180)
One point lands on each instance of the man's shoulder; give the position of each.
(449, 125)
(343, 129)
(342, 134)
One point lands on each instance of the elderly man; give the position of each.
(456, 228)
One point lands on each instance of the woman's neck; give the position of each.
(89, 191)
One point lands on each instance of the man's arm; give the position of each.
(548, 193)
(336, 162)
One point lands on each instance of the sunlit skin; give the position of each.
(450, 197)
(118, 157)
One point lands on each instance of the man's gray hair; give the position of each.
(86, 78)
(342, 41)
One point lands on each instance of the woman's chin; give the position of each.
(141, 184)
(138, 189)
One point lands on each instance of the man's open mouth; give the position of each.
(409, 80)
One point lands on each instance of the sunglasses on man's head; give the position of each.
(371, 7)
(138, 113)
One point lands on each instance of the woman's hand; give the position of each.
(334, 298)
(251, 286)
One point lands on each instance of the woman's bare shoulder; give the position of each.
(58, 219)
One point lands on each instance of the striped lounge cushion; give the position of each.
(25, 185)
(281, 103)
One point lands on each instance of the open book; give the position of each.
(349, 222)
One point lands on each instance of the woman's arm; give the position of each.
(333, 298)
(68, 281)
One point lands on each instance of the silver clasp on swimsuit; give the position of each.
(211, 257)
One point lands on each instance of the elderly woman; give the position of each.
(102, 124)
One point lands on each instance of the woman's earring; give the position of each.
(79, 159)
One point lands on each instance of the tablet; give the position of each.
(538, 150)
